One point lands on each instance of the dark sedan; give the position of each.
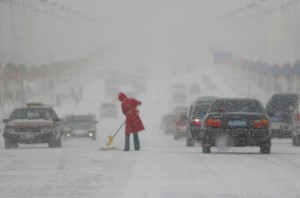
(241, 122)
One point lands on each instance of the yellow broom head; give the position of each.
(110, 140)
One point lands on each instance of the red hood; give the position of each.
(30, 123)
(122, 96)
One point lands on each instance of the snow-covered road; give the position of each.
(164, 168)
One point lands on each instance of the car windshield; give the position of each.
(31, 114)
(250, 106)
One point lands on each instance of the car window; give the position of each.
(251, 106)
(200, 110)
(282, 104)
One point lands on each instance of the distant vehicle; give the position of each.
(203, 100)
(35, 123)
(180, 125)
(78, 126)
(108, 110)
(236, 122)
(196, 114)
(283, 110)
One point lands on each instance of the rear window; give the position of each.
(200, 110)
(251, 106)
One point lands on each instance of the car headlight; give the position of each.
(9, 130)
(90, 134)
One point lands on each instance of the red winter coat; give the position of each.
(134, 123)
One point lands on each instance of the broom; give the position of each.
(110, 138)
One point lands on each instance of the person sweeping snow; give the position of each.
(133, 123)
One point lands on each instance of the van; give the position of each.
(283, 110)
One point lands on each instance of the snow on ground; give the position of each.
(163, 168)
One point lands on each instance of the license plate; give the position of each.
(237, 123)
(27, 136)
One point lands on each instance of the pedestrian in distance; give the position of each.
(133, 122)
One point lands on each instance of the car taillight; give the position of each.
(196, 121)
(261, 123)
(213, 122)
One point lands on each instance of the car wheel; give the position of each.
(206, 149)
(52, 143)
(15, 145)
(189, 141)
(265, 149)
(7, 144)
(296, 140)
(58, 142)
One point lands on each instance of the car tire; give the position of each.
(265, 149)
(15, 145)
(52, 143)
(206, 149)
(296, 140)
(189, 141)
(58, 142)
(7, 144)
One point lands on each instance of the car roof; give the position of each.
(237, 99)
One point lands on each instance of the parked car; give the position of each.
(108, 110)
(195, 116)
(236, 122)
(35, 123)
(81, 125)
(283, 110)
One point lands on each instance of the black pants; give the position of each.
(135, 140)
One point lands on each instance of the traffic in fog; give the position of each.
(149, 99)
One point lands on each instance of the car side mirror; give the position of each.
(57, 120)
(5, 121)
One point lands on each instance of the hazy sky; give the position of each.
(154, 30)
